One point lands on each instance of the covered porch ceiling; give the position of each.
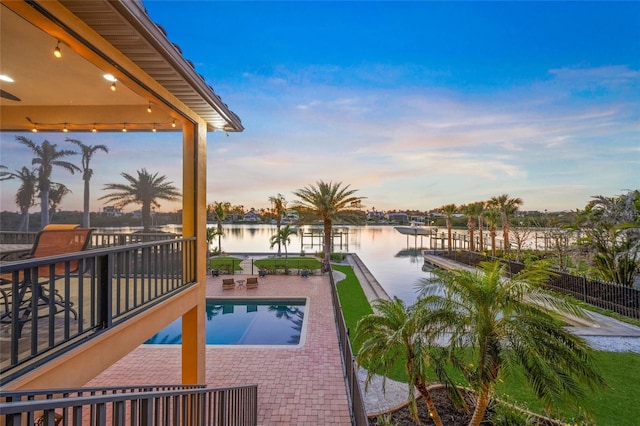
(48, 93)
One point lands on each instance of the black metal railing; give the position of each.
(43, 312)
(358, 411)
(98, 239)
(140, 405)
(621, 299)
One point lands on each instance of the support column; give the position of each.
(194, 219)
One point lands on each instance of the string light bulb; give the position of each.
(149, 108)
(173, 123)
(154, 128)
(64, 129)
(113, 86)
(94, 130)
(124, 127)
(57, 52)
(35, 129)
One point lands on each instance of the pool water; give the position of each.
(245, 322)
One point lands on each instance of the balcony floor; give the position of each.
(296, 386)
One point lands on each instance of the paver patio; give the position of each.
(300, 385)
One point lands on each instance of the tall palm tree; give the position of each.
(47, 156)
(472, 211)
(491, 216)
(57, 192)
(219, 210)
(449, 210)
(482, 205)
(283, 237)
(395, 331)
(87, 152)
(503, 323)
(328, 202)
(507, 208)
(26, 194)
(279, 208)
(146, 190)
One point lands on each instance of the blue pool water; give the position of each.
(245, 322)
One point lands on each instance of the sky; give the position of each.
(414, 104)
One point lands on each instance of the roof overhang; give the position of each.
(98, 37)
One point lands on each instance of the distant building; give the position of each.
(112, 211)
(290, 216)
(375, 215)
(251, 216)
(398, 217)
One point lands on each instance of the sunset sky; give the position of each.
(415, 104)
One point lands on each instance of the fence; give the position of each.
(610, 296)
(358, 412)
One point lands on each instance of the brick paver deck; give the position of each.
(296, 385)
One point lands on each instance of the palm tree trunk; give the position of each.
(85, 211)
(481, 227)
(24, 222)
(327, 244)
(44, 207)
(433, 411)
(481, 408)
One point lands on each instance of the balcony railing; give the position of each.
(141, 405)
(42, 314)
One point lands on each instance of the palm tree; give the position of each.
(279, 208)
(449, 210)
(482, 205)
(219, 210)
(503, 323)
(47, 156)
(491, 216)
(57, 192)
(395, 331)
(283, 237)
(507, 207)
(328, 202)
(87, 152)
(146, 190)
(472, 211)
(26, 194)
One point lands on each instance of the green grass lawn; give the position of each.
(616, 405)
(225, 263)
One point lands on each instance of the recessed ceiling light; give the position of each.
(110, 77)
(6, 78)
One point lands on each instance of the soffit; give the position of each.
(72, 89)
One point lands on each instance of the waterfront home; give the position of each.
(94, 323)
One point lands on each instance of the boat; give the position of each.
(412, 230)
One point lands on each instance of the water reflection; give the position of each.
(394, 259)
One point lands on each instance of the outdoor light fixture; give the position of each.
(112, 79)
(149, 108)
(57, 52)
(67, 126)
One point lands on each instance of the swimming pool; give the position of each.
(245, 322)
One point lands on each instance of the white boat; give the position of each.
(412, 230)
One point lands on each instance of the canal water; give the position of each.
(394, 259)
